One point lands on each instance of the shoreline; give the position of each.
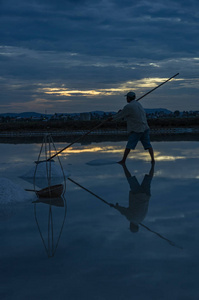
(158, 134)
(99, 132)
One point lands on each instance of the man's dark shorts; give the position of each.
(135, 137)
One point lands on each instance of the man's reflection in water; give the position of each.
(139, 196)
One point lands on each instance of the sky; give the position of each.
(68, 56)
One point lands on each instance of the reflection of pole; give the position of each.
(162, 237)
(90, 192)
(112, 205)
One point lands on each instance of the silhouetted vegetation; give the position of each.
(174, 122)
(74, 125)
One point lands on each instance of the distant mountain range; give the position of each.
(38, 115)
(154, 110)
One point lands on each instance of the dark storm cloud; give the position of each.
(96, 28)
(91, 45)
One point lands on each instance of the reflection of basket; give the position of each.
(58, 201)
(53, 191)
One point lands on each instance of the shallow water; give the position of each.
(95, 254)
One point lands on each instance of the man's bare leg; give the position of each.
(151, 154)
(126, 153)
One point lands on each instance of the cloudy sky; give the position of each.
(84, 55)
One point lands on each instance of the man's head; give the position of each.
(130, 96)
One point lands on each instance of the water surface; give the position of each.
(96, 253)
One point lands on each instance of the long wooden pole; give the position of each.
(75, 141)
(157, 86)
(81, 137)
(78, 139)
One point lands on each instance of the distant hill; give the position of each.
(23, 115)
(154, 110)
(29, 114)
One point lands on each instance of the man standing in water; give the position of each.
(137, 126)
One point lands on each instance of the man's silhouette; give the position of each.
(139, 196)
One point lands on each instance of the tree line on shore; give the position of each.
(57, 125)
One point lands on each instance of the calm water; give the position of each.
(96, 254)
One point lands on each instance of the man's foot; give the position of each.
(121, 162)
